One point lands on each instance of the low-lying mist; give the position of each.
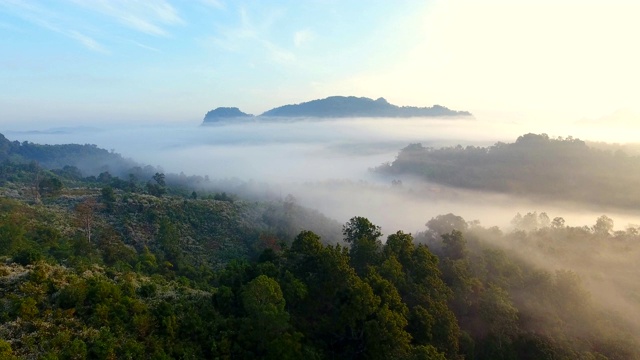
(324, 164)
(604, 261)
(268, 151)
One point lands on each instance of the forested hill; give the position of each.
(88, 162)
(86, 159)
(122, 275)
(534, 165)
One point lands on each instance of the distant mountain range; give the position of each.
(336, 107)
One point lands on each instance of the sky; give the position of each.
(156, 61)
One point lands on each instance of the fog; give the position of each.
(325, 163)
(606, 265)
(269, 151)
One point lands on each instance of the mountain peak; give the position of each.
(225, 113)
(351, 106)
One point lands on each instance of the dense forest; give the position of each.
(104, 267)
(534, 166)
(88, 158)
(90, 163)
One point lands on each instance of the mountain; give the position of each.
(351, 106)
(337, 107)
(225, 113)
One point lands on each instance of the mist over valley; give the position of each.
(214, 179)
(286, 178)
(326, 164)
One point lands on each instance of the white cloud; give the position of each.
(302, 37)
(150, 16)
(250, 33)
(143, 46)
(88, 42)
(52, 21)
(277, 53)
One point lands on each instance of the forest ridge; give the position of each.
(535, 165)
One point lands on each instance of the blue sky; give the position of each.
(173, 60)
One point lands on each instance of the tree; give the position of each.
(543, 220)
(264, 331)
(338, 303)
(500, 317)
(5, 351)
(104, 177)
(159, 188)
(364, 238)
(159, 179)
(307, 244)
(557, 223)
(108, 196)
(133, 183)
(428, 289)
(85, 216)
(223, 197)
(444, 224)
(385, 334)
(50, 186)
(399, 245)
(603, 226)
(262, 300)
(530, 221)
(359, 227)
(12, 232)
(169, 240)
(454, 245)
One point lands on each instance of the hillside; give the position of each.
(126, 275)
(533, 166)
(83, 160)
(105, 268)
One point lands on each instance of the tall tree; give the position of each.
(364, 238)
(85, 216)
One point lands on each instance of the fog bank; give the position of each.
(324, 163)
